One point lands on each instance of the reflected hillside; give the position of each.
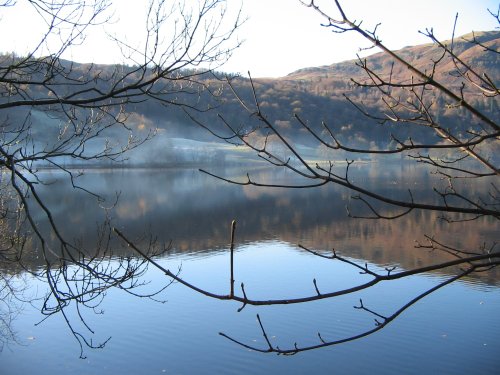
(194, 211)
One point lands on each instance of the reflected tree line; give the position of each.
(177, 210)
(78, 271)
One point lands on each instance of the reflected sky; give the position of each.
(181, 335)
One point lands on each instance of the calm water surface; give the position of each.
(453, 331)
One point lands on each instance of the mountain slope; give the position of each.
(316, 94)
(420, 56)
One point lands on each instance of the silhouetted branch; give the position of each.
(483, 259)
(379, 325)
(412, 96)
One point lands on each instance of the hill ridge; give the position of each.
(460, 43)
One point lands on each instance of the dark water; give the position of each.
(453, 331)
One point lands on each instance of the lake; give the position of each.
(455, 330)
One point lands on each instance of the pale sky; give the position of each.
(280, 36)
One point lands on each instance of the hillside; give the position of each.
(420, 56)
(316, 94)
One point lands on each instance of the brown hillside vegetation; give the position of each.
(319, 93)
(421, 57)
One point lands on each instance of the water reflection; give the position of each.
(193, 210)
(181, 335)
(12, 293)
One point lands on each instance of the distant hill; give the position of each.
(420, 56)
(316, 94)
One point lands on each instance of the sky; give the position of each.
(279, 36)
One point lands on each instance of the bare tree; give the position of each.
(58, 114)
(411, 97)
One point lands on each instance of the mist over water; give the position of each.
(194, 211)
